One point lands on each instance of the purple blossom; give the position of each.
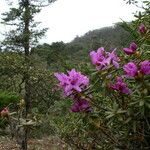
(64, 80)
(131, 49)
(113, 58)
(74, 81)
(130, 69)
(142, 29)
(145, 67)
(98, 58)
(81, 106)
(103, 59)
(120, 86)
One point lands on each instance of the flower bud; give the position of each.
(138, 54)
(142, 29)
(140, 75)
(22, 103)
(5, 112)
(131, 50)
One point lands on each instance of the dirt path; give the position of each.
(34, 144)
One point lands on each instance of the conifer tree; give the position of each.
(22, 38)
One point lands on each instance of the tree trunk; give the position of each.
(26, 45)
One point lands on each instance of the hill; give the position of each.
(78, 49)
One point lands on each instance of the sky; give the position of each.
(67, 19)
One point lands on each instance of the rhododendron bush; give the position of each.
(111, 105)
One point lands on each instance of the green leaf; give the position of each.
(110, 116)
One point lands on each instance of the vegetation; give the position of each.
(21, 39)
(109, 37)
(101, 98)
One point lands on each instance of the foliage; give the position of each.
(7, 99)
(118, 97)
(23, 36)
(111, 112)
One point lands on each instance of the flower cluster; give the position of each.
(103, 59)
(72, 84)
(132, 70)
(120, 86)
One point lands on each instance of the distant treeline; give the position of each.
(78, 49)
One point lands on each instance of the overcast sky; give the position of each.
(68, 18)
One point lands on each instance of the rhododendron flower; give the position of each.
(103, 59)
(120, 86)
(81, 106)
(131, 49)
(63, 78)
(145, 67)
(98, 58)
(74, 81)
(113, 58)
(130, 69)
(142, 28)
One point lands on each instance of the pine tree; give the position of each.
(22, 38)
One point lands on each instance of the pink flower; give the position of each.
(145, 67)
(113, 58)
(73, 82)
(98, 58)
(103, 59)
(130, 69)
(131, 49)
(64, 80)
(4, 112)
(81, 106)
(142, 29)
(120, 86)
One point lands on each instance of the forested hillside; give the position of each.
(77, 50)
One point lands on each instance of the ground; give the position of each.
(34, 144)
